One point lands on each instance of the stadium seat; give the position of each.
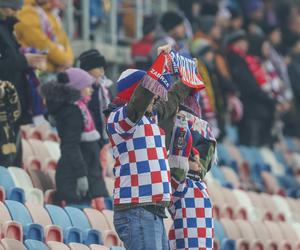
(29, 160)
(263, 212)
(98, 247)
(40, 180)
(6, 181)
(22, 180)
(245, 201)
(218, 175)
(283, 207)
(99, 222)
(271, 206)
(41, 153)
(79, 220)
(248, 233)
(15, 194)
(233, 233)
(296, 227)
(35, 245)
(289, 233)
(40, 216)
(59, 217)
(11, 244)
(277, 235)
(271, 183)
(53, 149)
(268, 156)
(78, 246)
(231, 176)
(19, 213)
(9, 229)
(54, 245)
(1, 247)
(110, 182)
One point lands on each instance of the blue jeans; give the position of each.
(140, 229)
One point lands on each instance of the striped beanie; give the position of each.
(127, 83)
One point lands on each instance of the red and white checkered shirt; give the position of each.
(191, 211)
(141, 164)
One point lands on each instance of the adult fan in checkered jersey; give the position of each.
(142, 185)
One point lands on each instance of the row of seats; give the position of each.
(42, 132)
(53, 223)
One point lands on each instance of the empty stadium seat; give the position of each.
(11, 244)
(28, 158)
(6, 181)
(40, 180)
(289, 233)
(41, 153)
(263, 212)
(231, 177)
(54, 245)
(271, 183)
(233, 233)
(40, 216)
(59, 217)
(53, 149)
(271, 206)
(9, 229)
(245, 201)
(19, 213)
(22, 180)
(99, 222)
(79, 220)
(15, 194)
(35, 245)
(98, 247)
(283, 207)
(78, 246)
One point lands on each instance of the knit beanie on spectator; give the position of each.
(170, 20)
(235, 36)
(75, 78)
(14, 4)
(206, 23)
(149, 24)
(91, 59)
(127, 83)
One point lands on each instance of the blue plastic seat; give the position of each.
(226, 244)
(79, 220)
(15, 194)
(35, 245)
(19, 212)
(60, 217)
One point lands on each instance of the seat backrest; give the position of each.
(110, 182)
(39, 214)
(78, 218)
(288, 231)
(296, 227)
(282, 205)
(6, 179)
(4, 213)
(98, 247)
(27, 150)
(243, 198)
(229, 196)
(274, 230)
(269, 202)
(109, 215)
(256, 199)
(246, 229)
(270, 182)
(18, 212)
(39, 149)
(40, 180)
(78, 246)
(216, 195)
(219, 230)
(232, 231)
(53, 149)
(35, 245)
(260, 230)
(20, 177)
(55, 245)
(235, 153)
(231, 176)
(97, 219)
(11, 244)
(58, 216)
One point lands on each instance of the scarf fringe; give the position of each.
(191, 103)
(180, 162)
(155, 87)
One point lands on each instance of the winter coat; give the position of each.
(13, 65)
(257, 103)
(78, 158)
(30, 33)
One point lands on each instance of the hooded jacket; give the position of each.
(78, 158)
(30, 33)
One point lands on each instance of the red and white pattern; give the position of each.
(141, 164)
(191, 211)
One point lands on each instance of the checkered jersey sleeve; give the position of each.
(119, 123)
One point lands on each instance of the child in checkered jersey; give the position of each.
(192, 151)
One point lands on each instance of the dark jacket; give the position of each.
(77, 158)
(257, 104)
(294, 73)
(13, 65)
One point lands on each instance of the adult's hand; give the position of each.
(165, 48)
(36, 61)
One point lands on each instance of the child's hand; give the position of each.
(165, 48)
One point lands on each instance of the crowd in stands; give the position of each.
(248, 57)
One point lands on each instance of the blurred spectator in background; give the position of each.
(172, 24)
(14, 64)
(293, 119)
(140, 50)
(40, 27)
(255, 14)
(98, 9)
(95, 64)
(78, 173)
(259, 107)
(236, 20)
(9, 113)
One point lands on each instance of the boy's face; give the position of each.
(178, 32)
(97, 72)
(195, 165)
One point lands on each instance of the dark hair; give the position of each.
(63, 78)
